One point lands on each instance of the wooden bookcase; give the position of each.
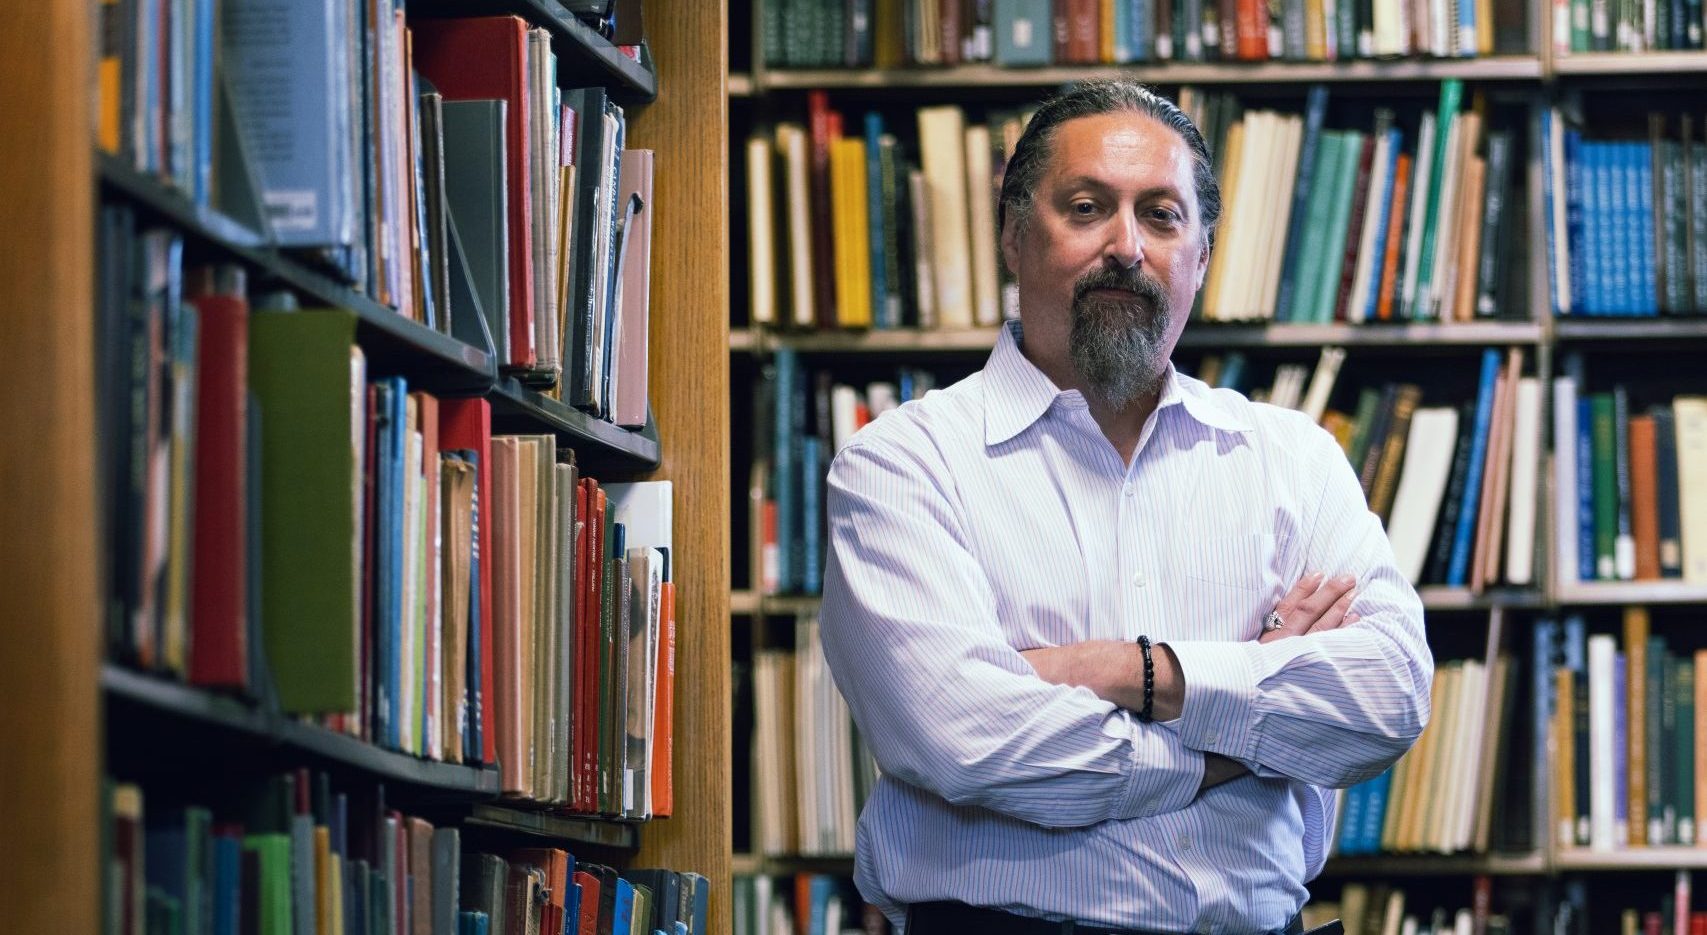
(56, 693)
(763, 95)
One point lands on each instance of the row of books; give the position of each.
(1590, 26)
(1322, 225)
(845, 232)
(1443, 794)
(1627, 220)
(1628, 734)
(1384, 909)
(434, 165)
(292, 855)
(344, 548)
(1033, 33)
(799, 422)
(1632, 505)
(1582, 910)
(807, 903)
(812, 771)
(1455, 485)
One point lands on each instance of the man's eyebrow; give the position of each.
(1092, 182)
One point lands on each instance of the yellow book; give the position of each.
(1564, 757)
(1315, 31)
(323, 880)
(1219, 259)
(1105, 48)
(1421, 778)
(981, 213)
(851, 230)
(1636, 720)
(1691, 415)
(110, 77)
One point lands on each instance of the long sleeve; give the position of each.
(911, 634)
(1333, 708)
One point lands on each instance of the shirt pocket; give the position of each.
(1247, 561)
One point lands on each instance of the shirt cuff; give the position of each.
(1219, 713)
(1166, 774)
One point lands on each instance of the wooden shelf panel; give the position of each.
(220, 717)
(1433, 865)
(1652, 858)
(783, 864)
(1198, 335)
(568, 829)
(1627, 63)
(599, 445)
(393, 344)
(1630, 329)
(583, 56)
(1600, 593)
(1498, 68)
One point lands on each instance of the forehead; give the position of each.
(1122, 146)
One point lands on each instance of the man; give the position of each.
(998, 547)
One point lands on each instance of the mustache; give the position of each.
(1133, 280)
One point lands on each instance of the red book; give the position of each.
(823, 130)
(483, 58)
(582, 731)
(664, 706)
(219, 652)
(1252, 30)
(467, 424)
(1354, 229)
(587, 642)
(951, 16)
(588, 924)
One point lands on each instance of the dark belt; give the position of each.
(952, 918)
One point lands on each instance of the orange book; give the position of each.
(1636, 719)
(554, 864)
(1395, 235)
(1565, 756)
(1644, 497)
(1498, 430)
(664, 707)
(1251, 30)
(1470, 243)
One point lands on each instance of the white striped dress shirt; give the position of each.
(993, 517)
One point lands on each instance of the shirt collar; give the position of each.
(1018, 394)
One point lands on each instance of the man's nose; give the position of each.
(1125, 247)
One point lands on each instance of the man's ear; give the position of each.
(1202, 264)
(1010, 246)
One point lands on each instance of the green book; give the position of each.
(641, 917)
(274, 898)
(1683, 694)
(1368, 404)
(1605, 487)
(1344, 186)
(1451, 94)
(1317, 210)
(310, 380)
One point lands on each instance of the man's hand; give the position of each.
(1313, 606)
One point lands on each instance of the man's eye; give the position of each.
(1165, 215)
(1084, 208)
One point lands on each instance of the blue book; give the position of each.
(783, 484)
(1616, 255)
(292, 103)
(698, 903)
(469, 922)
(396, 467)
(1587, 561)
(1544, 648)
(823, 887)
(387, 536)
(572, 903)
(1577, 253)
(875, 208)
(473, 726)
(1383, 216)
(227, 885)
(1375, 812)
(1463, 540)
(1551, 188)
(1351, 823)
(201, 95)
(1122, 32)
(1315, 110)
(1143, 30)
(1024, 33)
(1642, 190)
(812, 469)
(622, 910)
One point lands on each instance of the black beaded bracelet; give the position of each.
(1146, 713)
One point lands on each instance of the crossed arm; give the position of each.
(1047, 737)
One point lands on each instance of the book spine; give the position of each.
(1457, 574)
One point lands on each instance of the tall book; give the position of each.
(942, 141)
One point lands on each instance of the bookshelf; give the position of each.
(1524, 84)
(77, 715)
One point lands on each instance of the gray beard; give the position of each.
(1120, 347)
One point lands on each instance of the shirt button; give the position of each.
(1138, 580)
(1213, 736)
(1129, 491)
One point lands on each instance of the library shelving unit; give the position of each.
(67, 711)
(1526, 82)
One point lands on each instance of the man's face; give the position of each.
(1111, 255)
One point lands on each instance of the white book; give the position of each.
(1524, 493)
(1367, 262)
(942, 144)
(1257, 151)
(761, 235)
(1439, 775)
(1555, 149)
(1391, 28)
(1422, 485)
(844, 414)
(1690, 413)
(1565, 529)
(791, 142)
(1467, 777)
(981, 213)
(1419, 207)
(924, 279)
(1604, 758)
(1409, 927)
(1282, 176)
(1395, 916)
(881, 397)
(1463, 923)
(1322, 382)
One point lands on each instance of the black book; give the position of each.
(1446, 523)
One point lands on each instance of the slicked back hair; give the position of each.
(1088, 99)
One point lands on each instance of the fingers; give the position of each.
(1334, 617)
(1311, 608)
(1305, 587)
